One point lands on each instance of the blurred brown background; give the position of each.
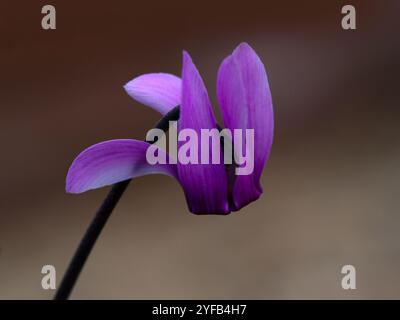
(330, 187)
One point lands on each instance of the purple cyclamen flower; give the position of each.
(245, 100)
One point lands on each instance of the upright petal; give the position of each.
(245, 99)
(110, 162)
(160, 91)
(205, 185)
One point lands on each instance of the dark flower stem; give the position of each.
(89, 239)
(92, 233)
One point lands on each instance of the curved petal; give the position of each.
(245, 99)
(205, 185)
(110, 162)
(160, 91)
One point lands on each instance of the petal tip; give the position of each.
(129, 87)
(71, 185)
(160, 91)
(244, 46)
(244, 49)
(126, 86)
(70, 189)
(187, 59)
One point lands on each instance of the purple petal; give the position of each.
(245, 99)
(112, 161)
(160, 91)
(205, 185)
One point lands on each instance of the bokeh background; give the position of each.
(330, 187)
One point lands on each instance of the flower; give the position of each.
(245, 101)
